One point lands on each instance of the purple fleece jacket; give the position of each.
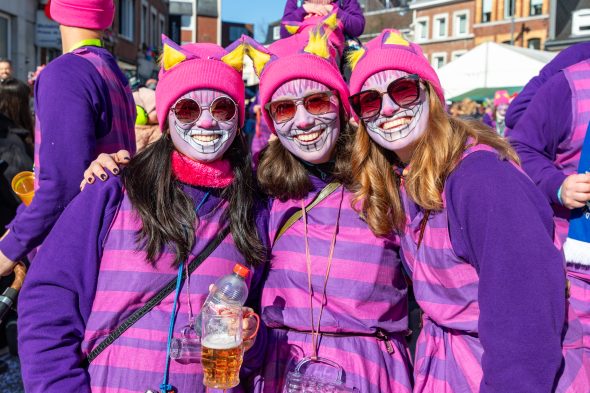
(349, 12)
(57, 298)
(500, 224)
(73, 106)
(570, 56)
(545, 124)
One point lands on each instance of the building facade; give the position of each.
(523, 23)
(569, 23)
(18, 35)
(443, 28)
(204, 24)
(135, 37)
(231, 31)
(385, 14)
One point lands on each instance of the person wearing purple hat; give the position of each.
(477, 236)
(334, 298)
(181, 215)
(84, 107)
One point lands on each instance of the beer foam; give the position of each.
(220, 341)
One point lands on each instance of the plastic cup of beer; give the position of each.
(222, 349)
(23, 185)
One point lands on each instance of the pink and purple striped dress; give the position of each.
(135, 361)
(366, 293)
(447, 288)
(567, 160)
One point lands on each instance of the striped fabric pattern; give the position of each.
(448, 353)
(365, 292)
(135, 361)
(578, 77)
(122, 130)
(569, 151)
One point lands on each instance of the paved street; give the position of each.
(10, 381)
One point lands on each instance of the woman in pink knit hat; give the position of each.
(334, 300)
(477, 236)
(181, 215)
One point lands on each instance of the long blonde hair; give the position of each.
(436, 155)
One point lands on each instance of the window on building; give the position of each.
(581, 22)
(509, 8)
(4, 36)
(534, 43)
(276, 32)
(126, 18)
(162, 29)
(440, 26)
(460, 24)
(236, 32)
(439, 60)
(144, 21)
(486, 11)
(421, 33)
(186, 21)
(536, 7)
(154, 28)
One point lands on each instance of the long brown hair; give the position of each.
(168, 214)
(282, 176)
(14, 103)
(436, 155)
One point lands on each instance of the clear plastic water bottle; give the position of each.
(230, 291)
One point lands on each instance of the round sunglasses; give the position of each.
(281, 111)
(405, 92)
(188, 111)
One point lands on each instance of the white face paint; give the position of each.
(206, 139)
(311, 138)
(395, 128)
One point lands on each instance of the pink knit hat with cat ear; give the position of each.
(87, 14)
(390, 51)
(201, 67)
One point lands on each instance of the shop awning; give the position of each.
(485, 92)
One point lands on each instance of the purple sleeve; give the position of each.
(352, 18)
(57, 297)
(71, 113)
(564, 59)
(292, 13)
(254, 357)
(538, 134)
(501, 224)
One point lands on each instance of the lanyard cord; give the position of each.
(316, 332)
(165, 387)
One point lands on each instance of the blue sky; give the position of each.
(259, 12)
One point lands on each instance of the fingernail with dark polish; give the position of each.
(90, 180)
(127, 158)
(103, 177)
(115, 170)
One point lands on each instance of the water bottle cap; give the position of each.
(241, 271)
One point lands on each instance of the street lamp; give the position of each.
(404, 7)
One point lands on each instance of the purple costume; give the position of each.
(486, 291)
(366, 294)
(349, 13)
(84, 107)
(549, 142)
(69, 307)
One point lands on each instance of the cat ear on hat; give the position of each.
(259, 55)
(235, 55)
(172, 54)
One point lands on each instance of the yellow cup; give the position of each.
(23, 184)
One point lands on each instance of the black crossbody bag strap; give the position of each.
(156, 299)
(323, 194)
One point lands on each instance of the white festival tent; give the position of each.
(492, 65)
